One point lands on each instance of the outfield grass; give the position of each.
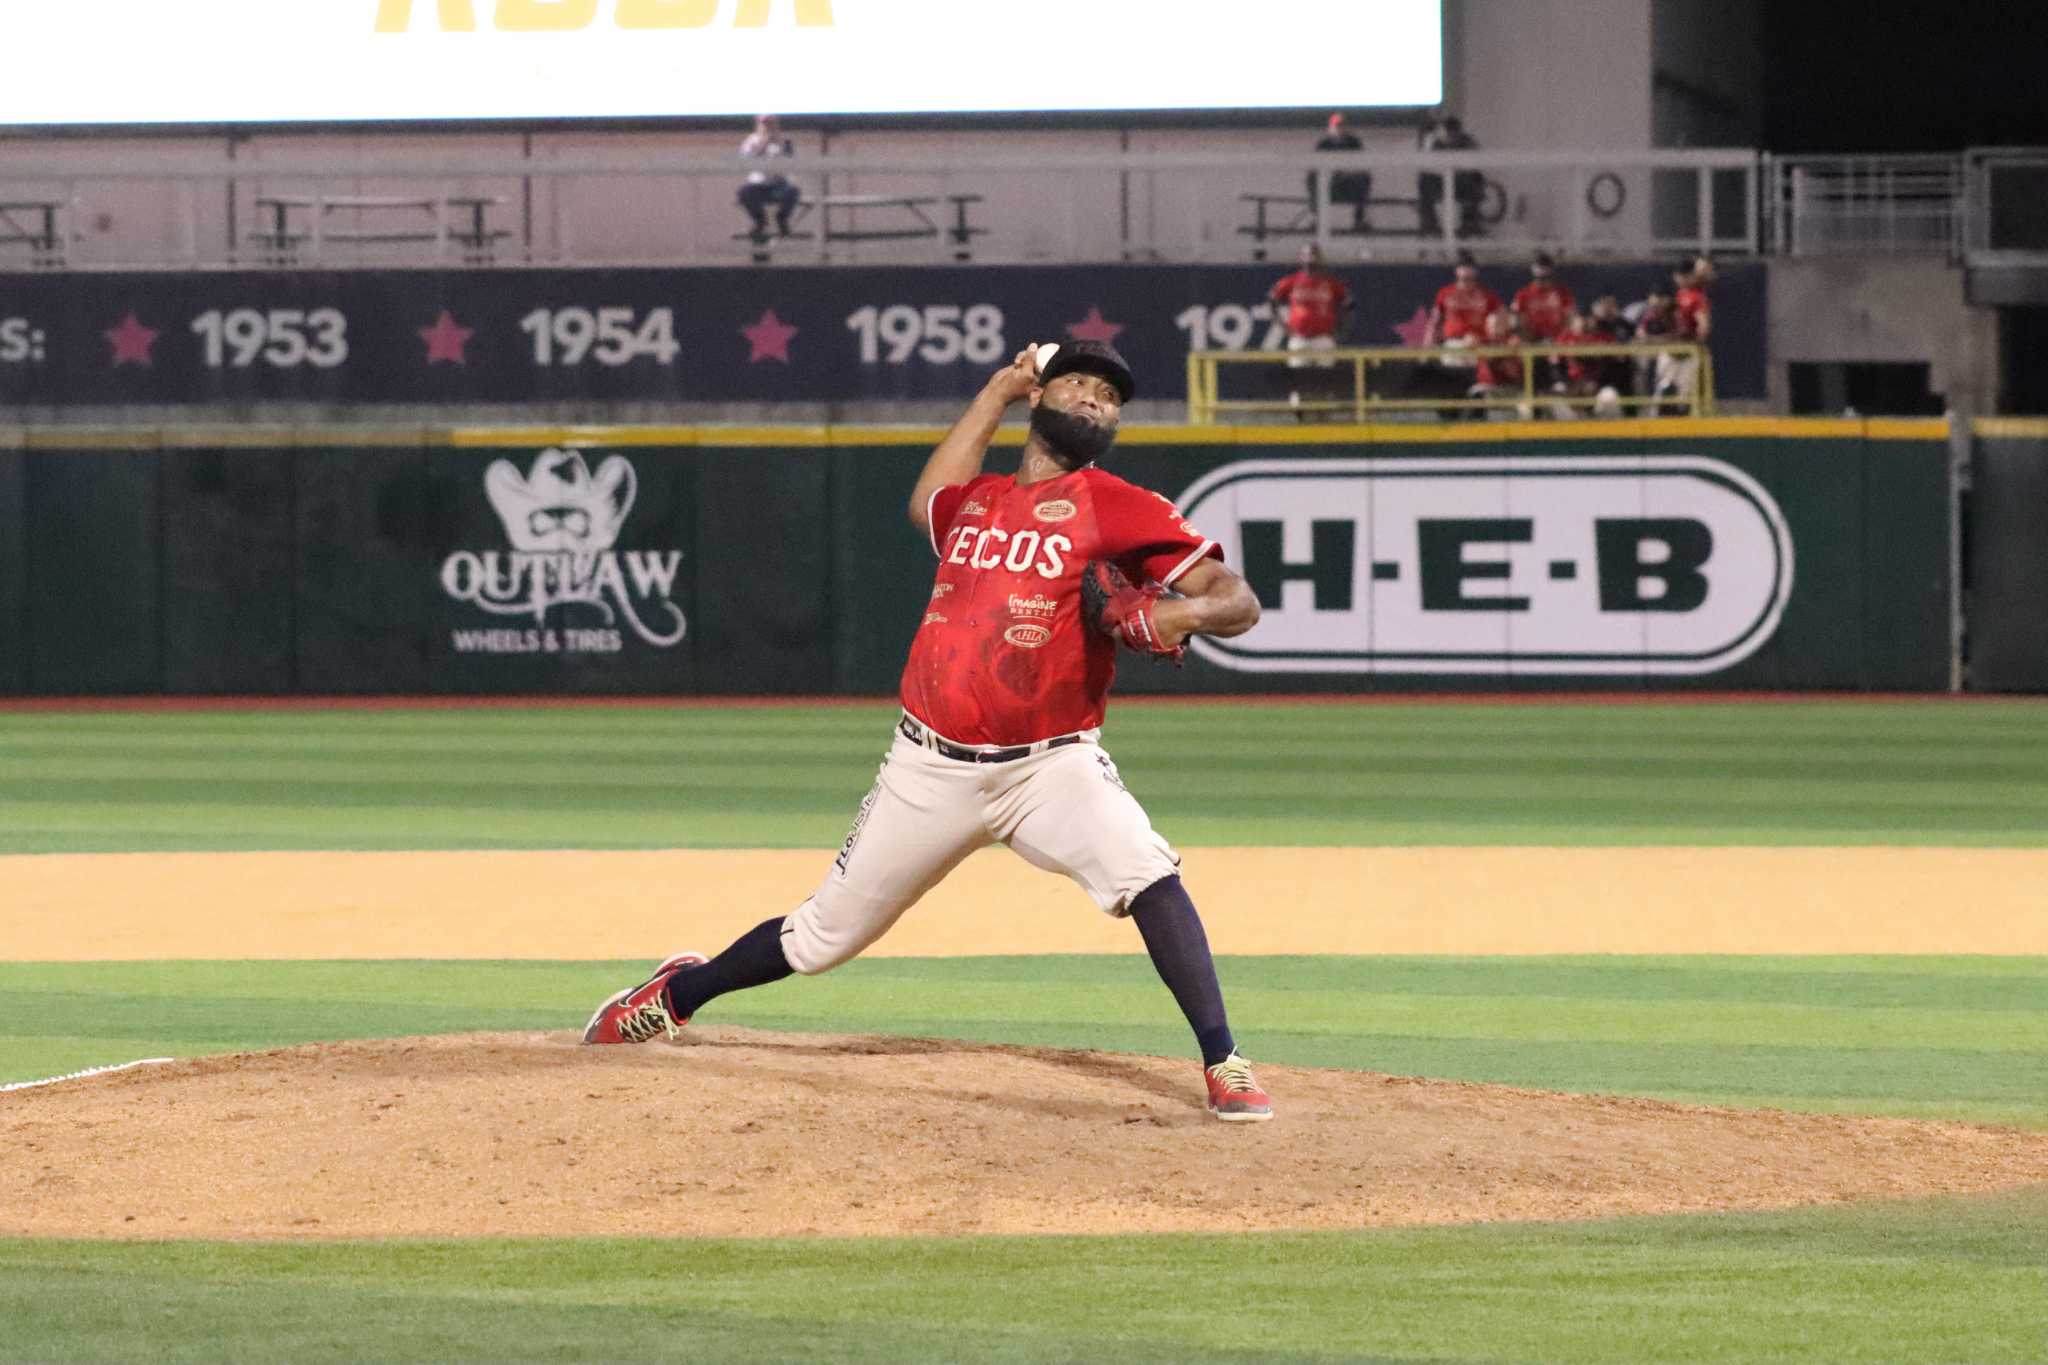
(1950, 1037)
(1251, 773)
(1947, 1280)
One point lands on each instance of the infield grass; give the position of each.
(1950, 1037)
(1943, 1280)
(1347, 773)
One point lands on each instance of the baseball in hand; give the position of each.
(1042, 357)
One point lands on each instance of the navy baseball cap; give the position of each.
(1092, 357)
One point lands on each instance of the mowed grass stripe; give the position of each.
(1940, 1280)
(1257, 773)
(1838, 1034)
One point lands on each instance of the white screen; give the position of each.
(279, 61)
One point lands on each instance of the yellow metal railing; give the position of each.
(1314, 371)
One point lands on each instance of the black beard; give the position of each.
(1073, 441)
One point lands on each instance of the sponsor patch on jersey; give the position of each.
(973, 508)
(1057, 509)
(1028, 635)
(932, 618)
(941, 590)
(1036, 607)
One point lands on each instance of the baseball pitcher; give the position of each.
(1042, 575)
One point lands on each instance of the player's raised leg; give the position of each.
(922, 816)
(1070, 812)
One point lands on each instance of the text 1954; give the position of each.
(609, 336)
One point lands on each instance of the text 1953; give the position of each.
(284, 338)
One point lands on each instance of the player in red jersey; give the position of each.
(1318, 309)
(1003, 697)
(1677, 374)
(1458, 314)
(1543, 304)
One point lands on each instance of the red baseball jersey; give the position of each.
(1003, 656)
(1584, 370)
(1693, 310)
(1543, 306)
(1315, 302)
(1465, 311)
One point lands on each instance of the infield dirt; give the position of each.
(587, 905)
(735, 1133)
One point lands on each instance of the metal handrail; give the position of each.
(1206, 405)
(1117, 205)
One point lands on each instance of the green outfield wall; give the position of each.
(2007, 569)
(1731, 553)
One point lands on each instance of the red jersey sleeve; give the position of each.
(1146, 535)
(944, 507)
(1281, 292)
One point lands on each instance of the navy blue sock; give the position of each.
(1173, 934)
(755, 959)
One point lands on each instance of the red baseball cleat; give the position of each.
(1234, 1096)
(638, 1013)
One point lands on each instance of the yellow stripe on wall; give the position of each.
(812, 437)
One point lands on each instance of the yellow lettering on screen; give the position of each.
(809, 13)
(667, 13)
(457, 16)
(545, 16)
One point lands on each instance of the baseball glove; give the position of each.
(1111, 605)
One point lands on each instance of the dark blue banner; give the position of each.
(809, 334)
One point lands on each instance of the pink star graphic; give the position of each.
(769, 338)
(132, 342)
(1414, 330)
(1094, 327)
(447, 340)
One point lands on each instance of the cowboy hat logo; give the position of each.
(563, 521)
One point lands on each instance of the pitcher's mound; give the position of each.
(735, 1133)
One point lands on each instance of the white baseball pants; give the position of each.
(1063, 809)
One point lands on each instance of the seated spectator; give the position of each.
(1695, 311)
(1582, 381)
(767, 190)
(1317, 311)
(1501, 377)
(1609, 321)
(1468, 188)
(1655, 318)
(1610, 327)
(1346, 187)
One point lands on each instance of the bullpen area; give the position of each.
(1598, 1030)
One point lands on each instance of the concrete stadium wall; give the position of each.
(1882, 308)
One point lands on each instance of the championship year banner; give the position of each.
(80, 62)
(796, 334)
